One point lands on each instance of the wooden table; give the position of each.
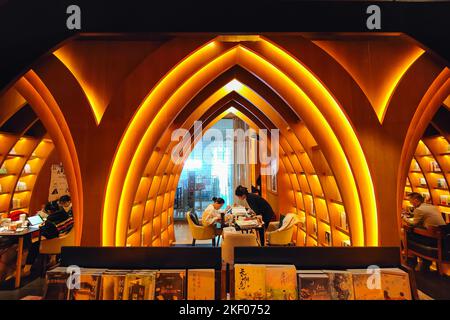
(20, 236)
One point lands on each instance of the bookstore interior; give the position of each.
(272, 166)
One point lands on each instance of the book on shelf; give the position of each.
(13, 151)
(343, 220)
(21, 186)
(17, 203)
(3, 170)
(313, 286)
(441, 183)
(422, 182)
(416, 166)
(113, 284)
(1, 188)
(434, 166)
(90, 282)
(315, 227)
(444, 199)
(56, 284)
(140, 285)
(249, 282)
(328, 238)
(170, 285)
(27, 169)
(448, 147)
(281, 282)
(346, 243)
(341, 285)
(201, 284)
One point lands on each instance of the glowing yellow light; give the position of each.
(98, 106)
(123, 170)
(233, 85)
(232, 110)
(238, 38)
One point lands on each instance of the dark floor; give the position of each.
(433, 285)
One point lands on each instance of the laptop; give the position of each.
(35, 221)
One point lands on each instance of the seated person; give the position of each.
(424, 215)
(211, 214)
(58, 223)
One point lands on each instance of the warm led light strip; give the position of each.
(349, 141)
(120, 163)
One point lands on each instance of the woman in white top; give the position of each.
(211, 213)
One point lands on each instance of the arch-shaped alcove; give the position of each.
(312, 102)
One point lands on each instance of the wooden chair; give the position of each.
(53, 247)
(431, 244)
(200, 232)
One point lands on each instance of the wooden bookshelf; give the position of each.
(23, 158)
(431, 153)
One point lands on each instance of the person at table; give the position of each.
(258, 205)
(211, 214)
(424, 216)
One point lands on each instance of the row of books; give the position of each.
(103, 284)
(284, 282)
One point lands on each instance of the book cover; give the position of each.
(170, 285)
(90, 282)
(113, 284)
(139, 285)
(281, 282)
(201, 284)
(56, 284)
(364, 288)
(249, 282)
(313, 286)
(341, 285)
(395, 284)
(444, 199)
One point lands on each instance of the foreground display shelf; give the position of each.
(143, 260)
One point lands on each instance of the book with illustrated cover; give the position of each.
(422, 182)
(343, 220)
(56, 284)
(281, 282)
(313, 286)
(444, 199)
(201, 284)
(170, 285)
(395, 284)
(90, 284)
(341, 285)
(140, 285)
(113, 284)
(365, 285)
(441, 183)
(249, 282)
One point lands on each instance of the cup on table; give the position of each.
(22, 218)
(6, 223)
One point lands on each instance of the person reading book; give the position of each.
(258, 205)
(211, 214)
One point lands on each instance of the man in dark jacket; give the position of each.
(259, 205)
